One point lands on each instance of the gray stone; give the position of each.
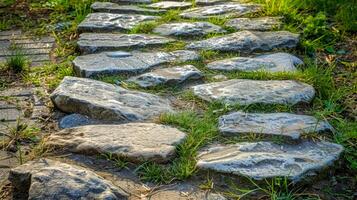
(222, 10)
(47, 179)
(209, 2)
(123, 9)
(127, 63)
(106, 22)
(246, 92)
(188, 29)
(260, 160)
(167, 76)
(255, 24)
(170, 5)
(104, 101)
(276, 62)
(94, 42)
(74, 120)
(284, 124)
(247, 41)
(136, 142)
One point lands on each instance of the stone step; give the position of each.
(276, 62)
(185, 29)
(281, 124)
(248, 41)
(104, 101)
(261, 160)
(255, 24)
(120, 62)
(226, 10)
(246, 92)
(170, 5)
(96, 42)
(49, 179)
(168, 76)
(109, 7)
(137, 142)
(109, 22)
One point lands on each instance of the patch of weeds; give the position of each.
(208, 185)
(170, 16)
(153, 172)
(173, 46)
(219, 21)
(18, 133)
(17, 62)
(39, 150)
(274, 189)
(145, 27)
(119, 162)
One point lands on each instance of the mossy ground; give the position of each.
(328, 47)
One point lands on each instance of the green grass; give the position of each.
(17, 62)
(145, 27)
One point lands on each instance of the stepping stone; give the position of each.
(255, 24)
(94, 42)
(227, 10)
(247, 41)
(120, 62)
(246, 92)
(284, 124)
(106, 22)
(170, 5)
(260, 160)
(167, 76)
(49, 179)
(123, 9)
(99, 100)
(137, 142)
(276, 62)
(209, 2)
(185, 29)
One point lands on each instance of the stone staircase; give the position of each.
(127, 116)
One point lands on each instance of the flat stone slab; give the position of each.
(109, 7)
(138, 142)
(48, 179)
(248, 41)
(260, 160)
(74, 120)
(168, 76)
(188, 29)
(276, 62)
(226, 10)
(120, 62)
(255, 24)
(284, 124)
(170, 5)
(106, 22)
(246, 92)
(95, 42)
(104, 101)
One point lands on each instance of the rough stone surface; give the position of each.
(48, 179)
(255, 24)
(94, 42)
(134, 141)
(123, 9)
(222, 10)
(188, 29)
(127, 62)
(167, 76)
(285, 124)
(106, 22)
(277, 62)
(105, 101)
(246, 92)
(259, 160)
(170, 5)
(74, 120)
(248, 41)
